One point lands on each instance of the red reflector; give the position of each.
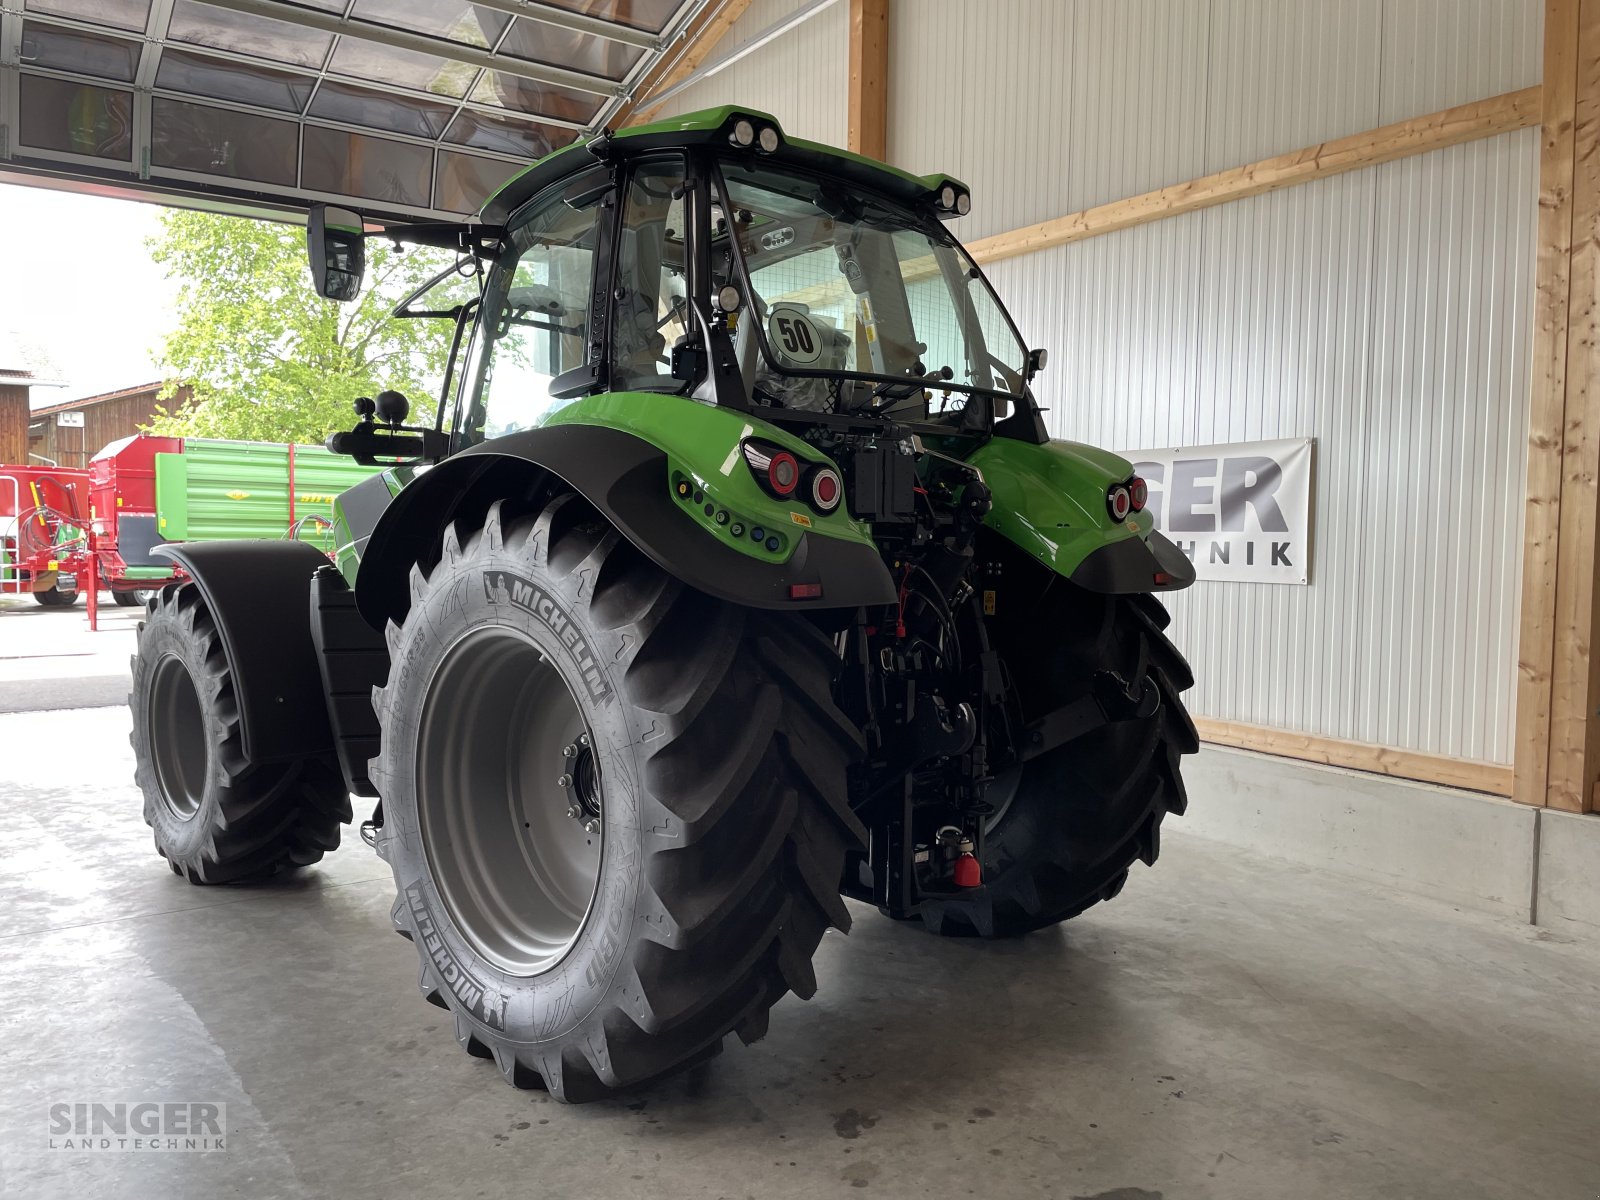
(1161, 579)
(1139, 493)
(827, 489)
(1118, 501)
(805, 591)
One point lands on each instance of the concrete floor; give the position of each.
(1232, 1027)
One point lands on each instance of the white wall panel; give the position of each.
(801, 77)
(1285, 75)
(1385, 313)
(1047, 106)
(1050, 106)
(1439, 53)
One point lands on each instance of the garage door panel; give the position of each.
(403, 109)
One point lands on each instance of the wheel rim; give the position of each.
(178, 744)
(515, 871)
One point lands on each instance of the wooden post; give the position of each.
(1570, 355)
(869, 78)
(1547, 405)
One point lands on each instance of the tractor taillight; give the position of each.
(1118, 502)
(1138, 493)
(783, 473)
(775, 469)
(826, 489)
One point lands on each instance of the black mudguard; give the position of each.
(258, 594)
(353, 659)
(1135, 565)
(625, 478)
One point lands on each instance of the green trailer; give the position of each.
(215, 490)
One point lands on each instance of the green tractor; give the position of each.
(737, 576)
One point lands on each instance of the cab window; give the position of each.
(535, 324)
(651, 307)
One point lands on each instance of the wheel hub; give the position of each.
(581, 782)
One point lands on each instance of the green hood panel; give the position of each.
(1051, 499)
(701, 443)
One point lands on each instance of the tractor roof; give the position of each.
(710, 126)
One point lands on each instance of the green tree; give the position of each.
(270, 360)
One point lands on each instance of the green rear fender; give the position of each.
(669, 474)
(1050, 500)
(702, 447)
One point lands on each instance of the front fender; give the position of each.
(1050, 500)
(629, 478)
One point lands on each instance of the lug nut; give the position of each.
(564, 782)
(583, 739)
(569, 751)
(591, 825)
(574, 811)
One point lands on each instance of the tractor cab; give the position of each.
(712, 257)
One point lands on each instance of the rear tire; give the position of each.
(218, 817)
(54, 597)
(589, 961)
(1071, 823)
(127, 599)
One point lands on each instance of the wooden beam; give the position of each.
(1575, 679)
(868, 124)
(708, 28)
(1449, 127)
(1360, 756)
(1547, 403)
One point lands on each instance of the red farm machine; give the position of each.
(60, 528)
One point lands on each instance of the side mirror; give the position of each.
(338, 251)
(1036, 360)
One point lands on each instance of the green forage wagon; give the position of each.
(738, 576)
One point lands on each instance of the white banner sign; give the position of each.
(1240, 511)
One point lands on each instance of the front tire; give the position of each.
(588, 960)
(217, 817)
(1070, 824)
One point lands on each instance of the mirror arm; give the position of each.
(374, 445)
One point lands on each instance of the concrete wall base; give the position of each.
(1474, 851)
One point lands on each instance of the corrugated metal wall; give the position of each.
(1385, 312)
(801, 78)
(1051, 106)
